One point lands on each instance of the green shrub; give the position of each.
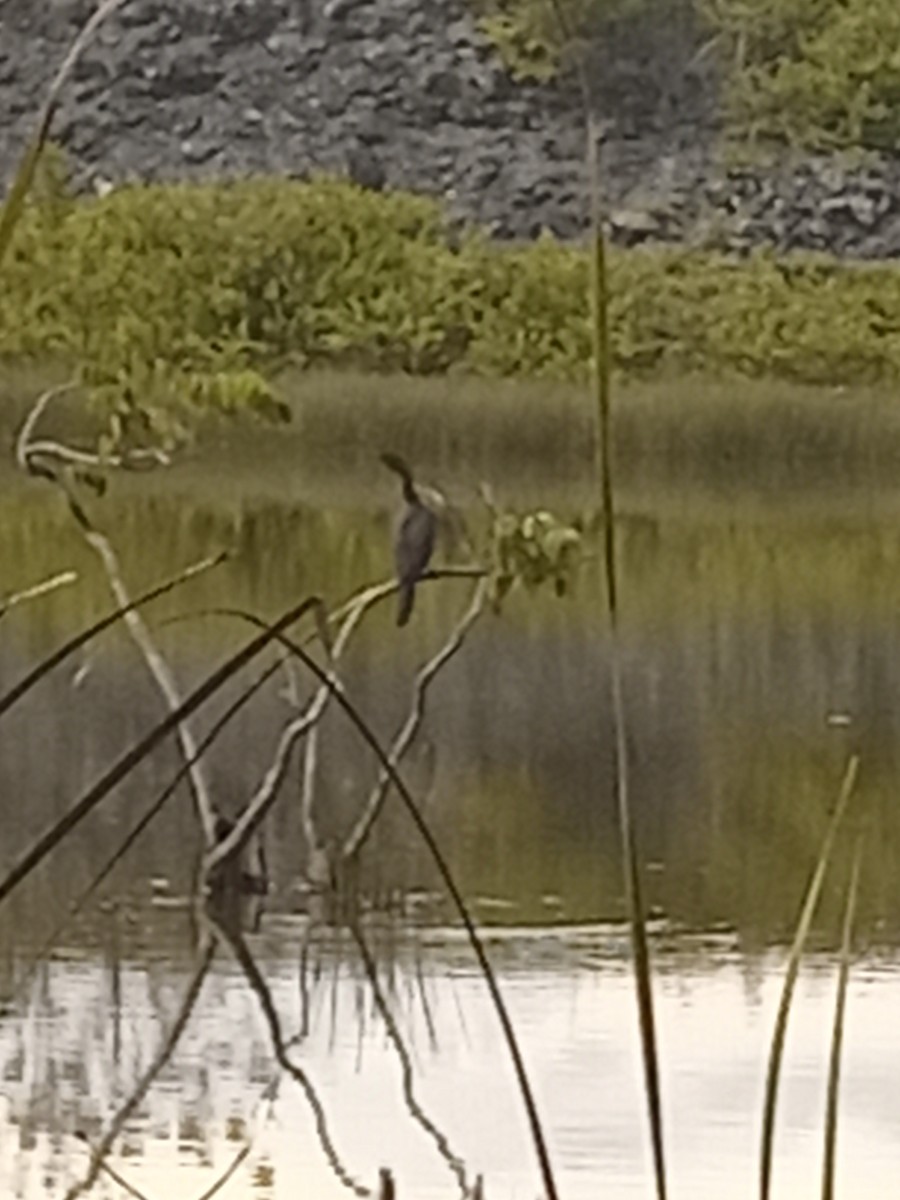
(168, 300)
(528, 33)
(818, 73)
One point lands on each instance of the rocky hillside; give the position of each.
(407, 93)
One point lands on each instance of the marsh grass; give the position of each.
(735, 434)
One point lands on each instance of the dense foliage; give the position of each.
(532, 35)
(823, 73)
(187, 295)
(816, 73)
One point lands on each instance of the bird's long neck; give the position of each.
(410, 495)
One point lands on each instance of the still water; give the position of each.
(760, 648)
(71, 1056)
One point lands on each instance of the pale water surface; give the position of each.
(570, 993)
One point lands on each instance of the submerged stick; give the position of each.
(807, 912)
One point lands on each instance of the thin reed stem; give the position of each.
(807, 912)
(602, 394)
(837, 1033)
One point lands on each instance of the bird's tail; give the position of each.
(406, 600)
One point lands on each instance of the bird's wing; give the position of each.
(415, 542)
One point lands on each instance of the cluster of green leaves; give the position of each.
(533, 549)
(533, 36)
(171, 300)
(815, 73)
(822, 73)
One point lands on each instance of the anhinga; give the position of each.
(414, 537)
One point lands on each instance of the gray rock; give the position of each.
(410, 91)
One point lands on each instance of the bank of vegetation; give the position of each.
(194, 295)
(816, 73)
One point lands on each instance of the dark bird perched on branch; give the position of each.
(414, 537)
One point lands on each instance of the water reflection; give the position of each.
(743, 639)
(571, 997)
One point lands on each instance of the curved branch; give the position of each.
(357, 837)
(140, 634)
(37, 410)
(137, 459)
(509, 1033)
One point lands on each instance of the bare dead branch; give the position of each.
(37, 590)
(50, 839)
(139, 458)
(358, 835)
(137, 627)
(352, 613)
(17, 691)
(24, 437)
(227, 848)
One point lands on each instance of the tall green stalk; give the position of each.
(804, 922)
(602, 394)
(634, 893)
(837, 1032)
